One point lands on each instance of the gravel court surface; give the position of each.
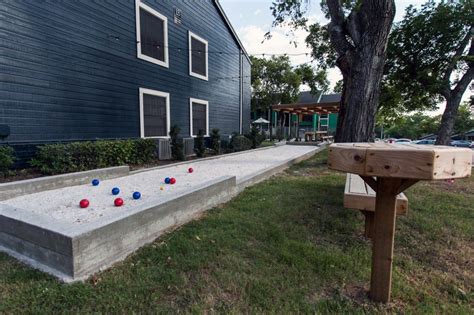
(63, 204)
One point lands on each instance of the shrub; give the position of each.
(52, 159)
(255, 137)
(199, 145)
(176, 144)
(215, 141)
(82, 156)
(145, 151)
(240, 143)
(7, 158)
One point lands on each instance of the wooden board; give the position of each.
(426, 162)
(358, 195)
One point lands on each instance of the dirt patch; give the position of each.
(458, 186)
(21, 175)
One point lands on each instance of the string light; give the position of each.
(179, 49)
(232, 78)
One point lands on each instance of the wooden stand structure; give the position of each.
(389, 169)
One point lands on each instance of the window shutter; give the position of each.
(198, 53)
(154, 112)
(199, 118)
(152, 37)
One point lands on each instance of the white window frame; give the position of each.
(191, 73)
(142, 112)
(139, 5)
(202, 102)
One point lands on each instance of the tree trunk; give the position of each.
(453, 99)
(447, 121)
(360, 97)
(361, 61)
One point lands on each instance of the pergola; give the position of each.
(300, 109)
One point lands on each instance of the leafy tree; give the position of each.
(464, 120)
(355, 41)
(275, 81)
(431, 59)
(338, 87)
(413, 126)
(418, 124)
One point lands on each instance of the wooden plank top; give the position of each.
(425, 162)
(358, 195)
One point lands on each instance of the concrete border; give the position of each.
(31, 186)
(304, 143)
(75, 252)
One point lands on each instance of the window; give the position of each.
(307, 118)
(323, 122)
(152, 35)
(198, 116)
(198, 57)
(154, 113)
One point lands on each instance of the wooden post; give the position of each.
(369, 223)
(384, 231)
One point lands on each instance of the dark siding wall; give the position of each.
(69, 71)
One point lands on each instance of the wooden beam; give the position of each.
(370, 181)
(384, 232)
(407, 183)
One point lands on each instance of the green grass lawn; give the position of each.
(266, 143)
(283, 246)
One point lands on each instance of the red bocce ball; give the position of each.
(118, 202)
(172, 180)
(84, 203)
(190, 170)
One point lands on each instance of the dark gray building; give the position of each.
(82, 70)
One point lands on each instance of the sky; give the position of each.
(253, 18)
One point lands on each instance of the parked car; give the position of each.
(461, 143)
(391, 140)
(425, 141)
(403, 141)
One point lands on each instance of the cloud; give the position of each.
(280, 43)
(257, 12)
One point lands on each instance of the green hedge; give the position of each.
(82, 156)
(7, 158)
(240, 143)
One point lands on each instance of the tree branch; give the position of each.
(353, 27)
(336, 28)
(464, 42)
(462, 85)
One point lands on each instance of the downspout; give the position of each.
(241, 94)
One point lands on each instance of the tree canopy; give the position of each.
(430, 60)
(418, 124)
(275, 80)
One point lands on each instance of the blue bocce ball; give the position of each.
(136, 195)
(115, 191)
(95, 182)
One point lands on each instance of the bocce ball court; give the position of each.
(50, 231)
